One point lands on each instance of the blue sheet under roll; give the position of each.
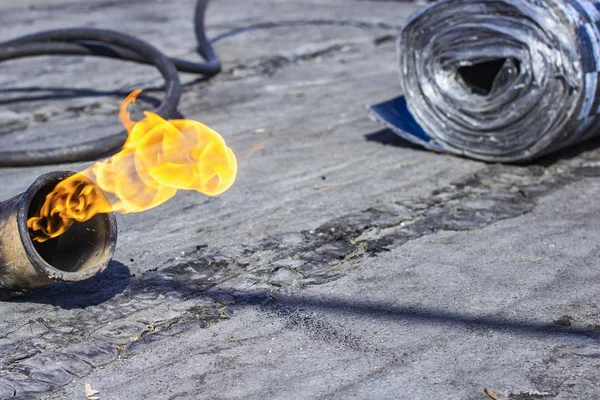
(498, 80)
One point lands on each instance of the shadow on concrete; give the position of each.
(60, 93)
(431, 316)
(569, 152)
(387, 137)
(41, 93)
(94, 291)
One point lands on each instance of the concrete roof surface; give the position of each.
(344, 263)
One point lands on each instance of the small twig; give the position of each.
(256, 148)
(327, 186)
(491, 394)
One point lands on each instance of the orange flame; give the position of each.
(159, 158)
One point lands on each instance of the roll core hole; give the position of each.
(480, 77)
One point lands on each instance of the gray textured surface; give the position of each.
(413, 275)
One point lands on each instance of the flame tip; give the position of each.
(159, 158)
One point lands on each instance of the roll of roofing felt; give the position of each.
(498, 80)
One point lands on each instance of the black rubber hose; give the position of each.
(106, 43)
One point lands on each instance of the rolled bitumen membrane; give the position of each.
(498, 80)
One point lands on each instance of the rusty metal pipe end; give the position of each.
(84, 250)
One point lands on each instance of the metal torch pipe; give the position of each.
(84, 250)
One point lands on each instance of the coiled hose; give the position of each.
(106, 43)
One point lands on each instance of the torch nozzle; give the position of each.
(81, 252)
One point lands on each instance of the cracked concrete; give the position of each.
(344, 263)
